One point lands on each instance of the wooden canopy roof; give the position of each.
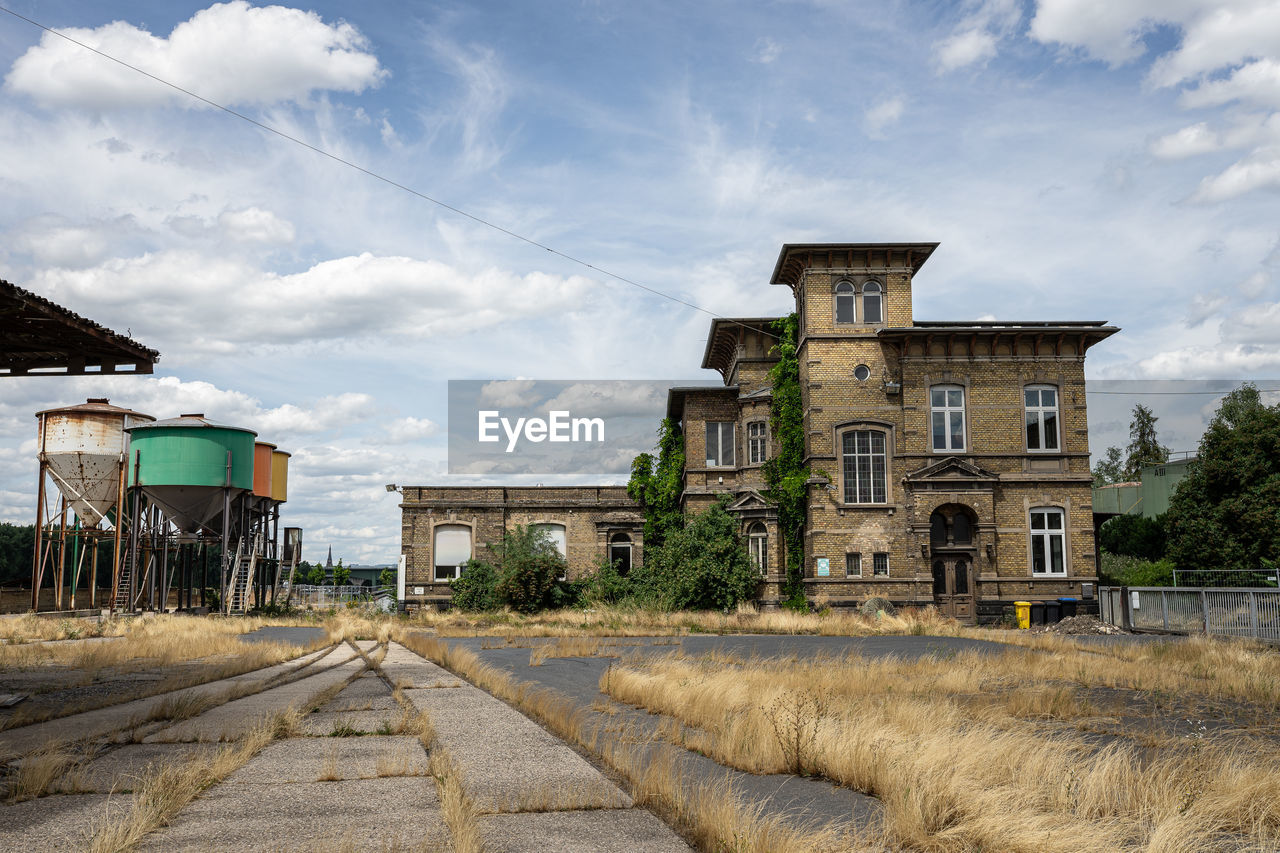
(41, 338)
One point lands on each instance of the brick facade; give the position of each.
(950, 525)
(593, 517)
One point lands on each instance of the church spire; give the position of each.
(328, 564)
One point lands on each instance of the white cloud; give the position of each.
(1261, 170)
(883, 114)
(485, 92)
(766, 51)
(1188, 142)
(976, 38)
(255, 225)
(509, 392)
(226, 302)
(1212, 362)
(230, 53)
(403, 431)
(964, 48)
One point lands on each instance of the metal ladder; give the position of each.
(122, 602)
(241, 577)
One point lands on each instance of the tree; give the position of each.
(1110, 469)
(315, 575)
(1134, 536)
(705, 566)
(17, 543)
(530, 565)
(341, 574)
(1225, 514)
(387, 579)
(1144, 446)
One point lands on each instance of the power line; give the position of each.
(1169, 393)
(375, 175)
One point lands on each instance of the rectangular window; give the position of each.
(1048, 542)
(853, 565)
(865, 467)
(720, 444)
(1042, 418)
(946, 412)
(880, 565)
(757, 442)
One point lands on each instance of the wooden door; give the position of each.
(953, 586)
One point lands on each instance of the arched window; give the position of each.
(872, 303)
(864, 466)
(555, 532)
(961, 532)
(1042, 417)
(946, 413)
(758, 539)
(620, 552)
(844, 303)
(451, 548)
(937, 529)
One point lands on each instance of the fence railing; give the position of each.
(308, 595)
(1226, 612)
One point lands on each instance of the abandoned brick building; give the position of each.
(951, 459)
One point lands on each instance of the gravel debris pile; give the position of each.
(1083, 625)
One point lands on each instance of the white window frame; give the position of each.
(621, 541)
(853, 564)
(758, 546)
(757, 442)
(1035, 416)
(839, 293)
(878, 289)
(878, 558)
(718, 461)
(951, 414)
(436, 575)
(852, 485)
(549, 526)
(1042, 538)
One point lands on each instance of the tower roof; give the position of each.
(795, 258)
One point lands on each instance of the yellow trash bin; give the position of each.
(1024, 613)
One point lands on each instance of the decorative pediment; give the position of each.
(750, 500)
(952, 469)
(621, 517)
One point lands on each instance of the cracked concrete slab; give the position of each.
(504, 758)
(122, 768)
(597, 831)
(306, 759)
(233, 719)
(323, 723)
(102, 721)
(363, 814)
(57, 823)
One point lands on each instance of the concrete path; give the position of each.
(535, 792)
(102, 721)
(55, 824)
(233, 719)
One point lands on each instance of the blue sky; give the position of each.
(1076, 161)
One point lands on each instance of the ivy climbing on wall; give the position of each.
(656, 482)
(786, 474)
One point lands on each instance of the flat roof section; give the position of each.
(41, 338)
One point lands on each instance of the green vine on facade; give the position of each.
(786, 476)
(656, 483)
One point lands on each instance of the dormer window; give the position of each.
(844, 303)
(872, 303)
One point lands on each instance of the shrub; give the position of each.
(476, 588)
(1133, 571)
(606, 585)
(529, 565)
(705, 565)
(1134, 536)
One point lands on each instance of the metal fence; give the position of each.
(1191, 610)
(307, 595)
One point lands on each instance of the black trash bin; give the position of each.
(1052, 612)
(1037, 613)
(1068, 607)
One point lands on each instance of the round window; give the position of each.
(861, 373)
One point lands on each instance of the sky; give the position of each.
(1078, 160)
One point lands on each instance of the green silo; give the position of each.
(185, 464)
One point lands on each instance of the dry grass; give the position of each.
(962, 757)
(456, 807)
(37, 772)
(29, 628)
(165, 789)
(329, 767)
(710, 812)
